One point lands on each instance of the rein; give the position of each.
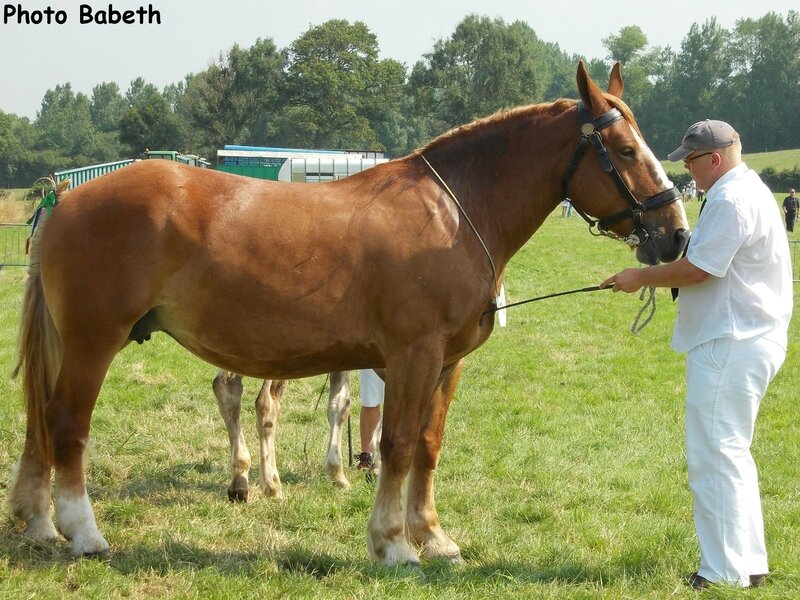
(454, 198)
(636, 326)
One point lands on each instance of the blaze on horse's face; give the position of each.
(667, 227)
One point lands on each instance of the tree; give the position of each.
(765, 56)
(627, 45)
(64, 125)
(338, 94)
(485, 66)
(149, 121)
(235, 100)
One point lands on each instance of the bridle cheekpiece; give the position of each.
(590, 135)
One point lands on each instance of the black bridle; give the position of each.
(590, 134)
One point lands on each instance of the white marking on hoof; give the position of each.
(75, 521)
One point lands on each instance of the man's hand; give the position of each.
(629, 280)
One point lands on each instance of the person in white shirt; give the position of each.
(372, 392)
(735, 285)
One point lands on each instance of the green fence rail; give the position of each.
(84, 174)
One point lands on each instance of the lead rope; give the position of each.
(469, 222)
(637, 327)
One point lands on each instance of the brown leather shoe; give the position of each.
(365, 460)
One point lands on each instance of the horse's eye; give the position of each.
(627, 152)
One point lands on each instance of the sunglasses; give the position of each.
(686, 161)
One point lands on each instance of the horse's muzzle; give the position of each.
(663, 249)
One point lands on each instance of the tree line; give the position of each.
(330, 89)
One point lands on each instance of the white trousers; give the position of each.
(725, 381)
(372, 388)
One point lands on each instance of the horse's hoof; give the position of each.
(237, 495)
(455, 559)
(341, 483)
(102, 556)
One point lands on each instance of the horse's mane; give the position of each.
(502, 117)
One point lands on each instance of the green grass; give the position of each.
(780, 160)
(562, 473)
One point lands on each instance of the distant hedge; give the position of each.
(781, 181)
(777, 181)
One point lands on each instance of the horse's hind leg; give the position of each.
(30, 491)
(424, 527)
(68, 416)
(268, 408)
(228, 391)
(338, 410)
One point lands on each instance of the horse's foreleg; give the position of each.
(411, 377)
(268, 406)
(228, 390)
(423, 520)
(68, 416)
(338, 410)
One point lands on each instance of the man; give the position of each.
(735, 304)
(372, 391)
(790, 205)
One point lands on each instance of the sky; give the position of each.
(193, 33)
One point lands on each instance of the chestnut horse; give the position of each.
(396, 267)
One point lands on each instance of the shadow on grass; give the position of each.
(173, 556)
(159, 487)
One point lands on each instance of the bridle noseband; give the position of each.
(590, 134)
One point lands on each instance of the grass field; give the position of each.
(562, 473)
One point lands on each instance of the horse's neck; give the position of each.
(506, 193)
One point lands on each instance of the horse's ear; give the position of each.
(590, 93)
(615, 83)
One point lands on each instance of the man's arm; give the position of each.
(678, 274)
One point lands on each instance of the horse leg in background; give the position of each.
(338, 410)
(268, 408)
(423, 521)
(228, 390)
(412, 374)
(375, 470)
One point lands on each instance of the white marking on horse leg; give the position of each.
(29, 501)
(267, 413)
(338, 410)
(76, 522)
(228, 391)
(386, 536)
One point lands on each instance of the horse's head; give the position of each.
(618, 180)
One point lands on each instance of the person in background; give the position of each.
(735, 285)
(790, 206)
(369, 420)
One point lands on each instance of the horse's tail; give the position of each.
(40, 351)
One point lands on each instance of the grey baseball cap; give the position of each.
(705, 135)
